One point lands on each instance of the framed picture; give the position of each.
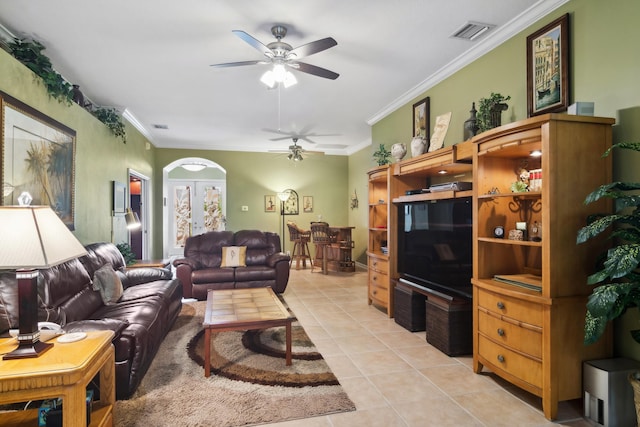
(440, 131)
(421, 118)
(119, 198)
(548, 68)
(38, 156)
(291, 204)
(307, 204)
(270, 203)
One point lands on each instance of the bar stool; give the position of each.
(300, 239)
(322, 238)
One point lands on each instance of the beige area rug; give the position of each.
(250, 383)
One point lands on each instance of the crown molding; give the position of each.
(493, 40)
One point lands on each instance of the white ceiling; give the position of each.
(153, 58)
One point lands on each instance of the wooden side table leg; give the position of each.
(288, 343)
(74, 406)
(207, 352)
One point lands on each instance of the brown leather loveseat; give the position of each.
(140, 313)
(202, 267)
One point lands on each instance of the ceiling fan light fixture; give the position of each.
(268, 79)
(289, 79)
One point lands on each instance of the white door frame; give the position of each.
(166, 244)
(145, 200)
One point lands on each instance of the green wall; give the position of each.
(604, 68)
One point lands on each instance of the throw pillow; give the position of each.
(107, 282)
(234, 256)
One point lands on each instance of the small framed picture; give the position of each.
(270, 203)
(548, 68)
(307, 204)
(421, 118)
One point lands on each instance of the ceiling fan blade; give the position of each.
(313, 69)
(238, 64)
(257, 44)
(282, 138)
(313, 47)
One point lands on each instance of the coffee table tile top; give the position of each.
(244, 305)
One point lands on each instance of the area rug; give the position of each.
(250, 383)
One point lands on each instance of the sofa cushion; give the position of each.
(213, 275)
(206, 249)
(63, 281)
(99, 254)
(255, 273)
(107, 282)
(259, 245)
(234, 256)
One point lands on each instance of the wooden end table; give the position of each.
(156, 263)
(63, 371)
(243, 309)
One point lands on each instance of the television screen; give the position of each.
(434, 244)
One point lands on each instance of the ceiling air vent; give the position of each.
(472, 30)
(164, 127)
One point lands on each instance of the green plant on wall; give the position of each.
(618, 280)
(112, 119)
(490, 110)
(30, 54)
(382, 156)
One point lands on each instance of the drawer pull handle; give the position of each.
(500, 358)
(501, 332)
(500, 305)
(375, 264)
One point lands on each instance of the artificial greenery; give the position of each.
(489, 110)
(127, 253)
(618, 277)
(30, 54)
(111, 118)
(382, 156)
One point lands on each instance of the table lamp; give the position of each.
(33, 237)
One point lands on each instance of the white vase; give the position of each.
(418, 146)
(398, 151)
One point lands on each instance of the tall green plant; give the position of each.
(127, 253)
(618, 277)
(489, 110)
(30, 54)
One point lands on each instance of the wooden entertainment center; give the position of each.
(529, 286)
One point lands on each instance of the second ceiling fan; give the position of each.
(283, 55)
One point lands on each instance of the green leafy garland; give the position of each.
(29, 53)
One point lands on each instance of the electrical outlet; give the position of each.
(245, 209)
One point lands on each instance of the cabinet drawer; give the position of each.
(525, 339)
(378, 264)
(522, 367)
(379, 294)
(378, 279)
(522, 311)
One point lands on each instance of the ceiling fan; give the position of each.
(304, 135)
(295, 151)
(283, 55)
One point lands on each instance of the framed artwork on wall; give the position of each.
(270, 203)
(548, 68)
(119, 198)
(307, 204)
(291, 204)
(38, 156)
(421, 119)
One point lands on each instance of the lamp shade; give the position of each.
(132, 219)
(34, 237)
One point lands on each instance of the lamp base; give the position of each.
(28, 349)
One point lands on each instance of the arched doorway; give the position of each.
(194, 201)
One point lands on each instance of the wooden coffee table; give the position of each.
(243, 309)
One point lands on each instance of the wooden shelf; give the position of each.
(438, 195)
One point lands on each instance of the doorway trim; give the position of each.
(146, 218)
(165, 193)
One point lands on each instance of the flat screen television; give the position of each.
(435, 245)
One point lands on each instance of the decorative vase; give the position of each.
(471, 125)
(77, 95)
(418, 146)
(496, 114)
(398, 151)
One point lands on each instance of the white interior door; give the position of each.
(195, 207)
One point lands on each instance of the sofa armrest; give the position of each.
(277, 257)
(137, 276)
(115, 325)
(183, 273)
(193, 264)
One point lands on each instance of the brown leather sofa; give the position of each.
(200, 269)
(149, 305)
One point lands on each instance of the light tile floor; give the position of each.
(394, 377)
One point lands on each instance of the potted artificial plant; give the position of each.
(490, 111)
(618, 277)
(382, 156)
